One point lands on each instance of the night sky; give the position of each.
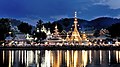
(50, 10)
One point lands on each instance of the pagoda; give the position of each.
(84, 37)
(67, 38)
(56, 33)
(75, 34)
(49, 35)
(54, 38)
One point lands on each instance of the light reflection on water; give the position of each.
(59, 58)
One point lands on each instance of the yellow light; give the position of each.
(10, 32)
(68, 58)
(90, 53)
(84, 56)
(3, 56)
(75, 59)
(47, 58)
(9, 58)
(100, 57)
(117, 56)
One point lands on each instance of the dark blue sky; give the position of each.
(51, 10)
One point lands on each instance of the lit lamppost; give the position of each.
(37, 34)
(10, 33)
(101, 42)
(38, 30)
(10, 36)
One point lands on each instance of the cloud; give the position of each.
(59, 17)
(112, 4)
(118, 16)
(100, 2)
(28, 20)
(99, 16)
(31, 19)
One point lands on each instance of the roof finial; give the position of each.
(75, 14)
(56, 26)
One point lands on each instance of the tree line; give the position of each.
(27, 28)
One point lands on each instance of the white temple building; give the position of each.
(17, 37)
(49, 35)
(43, 29)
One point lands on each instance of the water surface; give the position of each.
(59, 58)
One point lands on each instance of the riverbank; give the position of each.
(77, 47)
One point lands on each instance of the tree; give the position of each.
(39, 34)
(96, 34)
(25, 28)
(59, 26)
(39, 24)
(4, 27)
(114, 30)
(47, 25)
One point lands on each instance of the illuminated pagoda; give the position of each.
(84, 37)
(75, 34)
(49, 35)
(56, 33)
(67, 38)
(55, 38)
(47, 32)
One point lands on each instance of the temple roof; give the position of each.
(8, 38)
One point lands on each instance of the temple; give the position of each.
(56, 33)
(84, 37)
(54, 38)
(75, 34)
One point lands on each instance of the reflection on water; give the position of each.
(59, 58)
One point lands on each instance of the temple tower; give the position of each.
(56, 33)
(49, 35)
(84, 37)
(67, 38)
(75, 34)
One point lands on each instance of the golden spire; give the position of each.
(56, 33)
(56, 27)
(84, 37)
(75, 34)
(67, 38)
(75, 18)
(75, 14)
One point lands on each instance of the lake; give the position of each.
(59, 58)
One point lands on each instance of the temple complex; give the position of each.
(76, 36)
